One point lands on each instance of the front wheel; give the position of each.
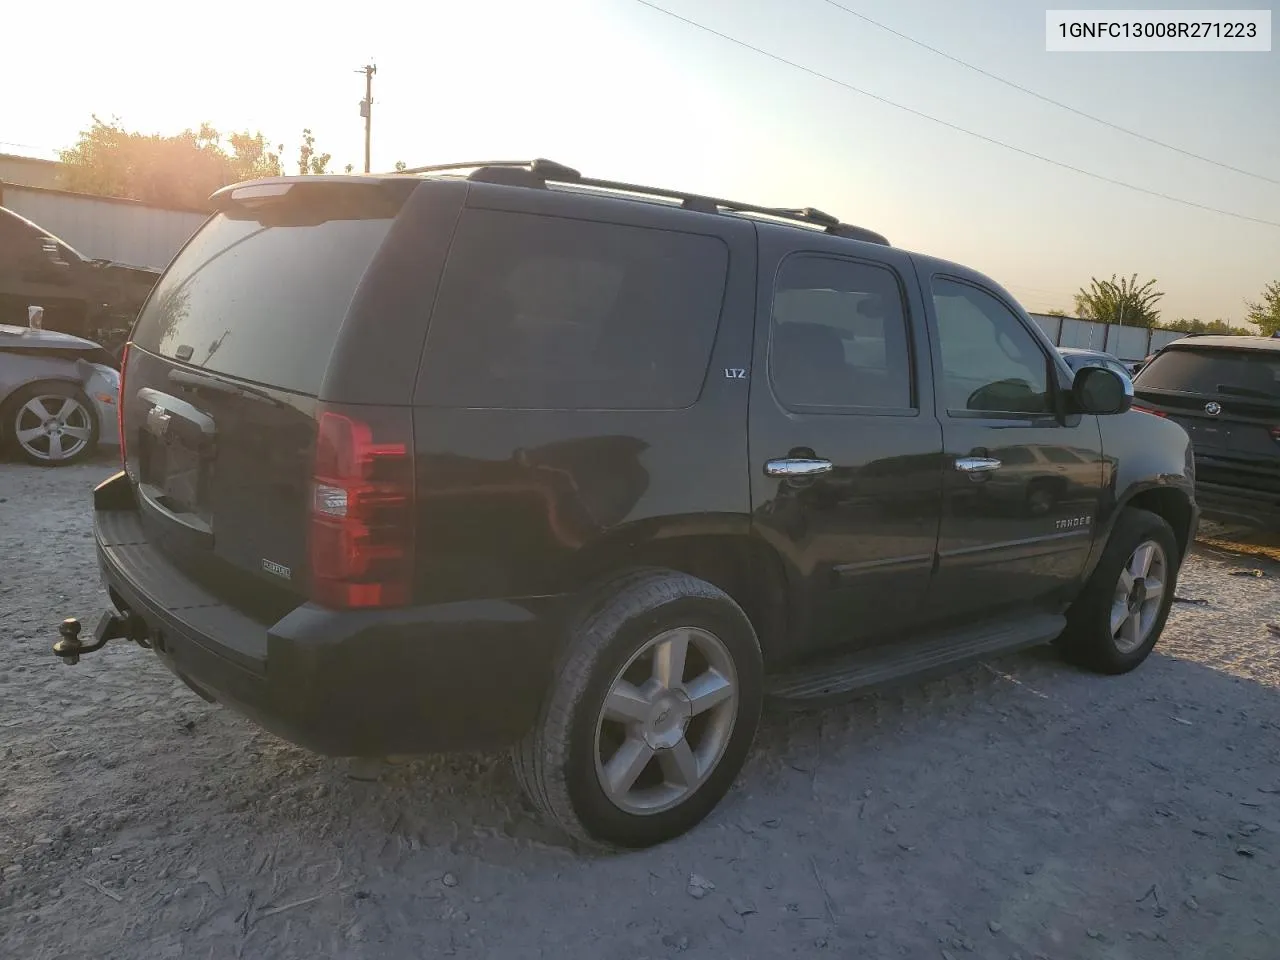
(652, 714)
(1117, 619)
(51, 424)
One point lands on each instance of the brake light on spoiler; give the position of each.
(361, 515)
(1143, 409)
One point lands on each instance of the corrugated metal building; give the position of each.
(28, 171)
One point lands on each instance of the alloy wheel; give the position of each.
(1139, 592)
(53, 427)
(666, 720)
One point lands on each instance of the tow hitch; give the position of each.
(111, 626)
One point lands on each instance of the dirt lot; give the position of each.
(1018, 809)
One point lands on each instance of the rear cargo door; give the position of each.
(226, 362)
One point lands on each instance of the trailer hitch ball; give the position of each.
(69, 647)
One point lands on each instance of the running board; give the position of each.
(911, 659)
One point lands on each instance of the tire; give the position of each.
(1090, 639)
(35, 405)
(563, 762)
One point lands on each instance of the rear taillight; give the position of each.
(362, 518)
(1155, 413)
(124, 366)
(1275, 434)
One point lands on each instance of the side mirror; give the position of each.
(1101, 392)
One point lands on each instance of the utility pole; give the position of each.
(366, 108)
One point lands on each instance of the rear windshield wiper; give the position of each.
(1248, 392)
(193, 382)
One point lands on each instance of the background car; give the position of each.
(1078, 357)
(88, 298)
(1225, 392)
(57, 395)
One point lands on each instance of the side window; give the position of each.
(990, 362)
(18, 242)
(539, 312)
(839, 336)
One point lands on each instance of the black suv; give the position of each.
(1225, 392)
(503, 455)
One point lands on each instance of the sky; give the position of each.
(622, 91)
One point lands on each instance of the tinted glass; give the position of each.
(990, 361)
(263, 301)
(1239, 372)
(839, 336)
(548, 313)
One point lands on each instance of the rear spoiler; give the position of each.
(310, 200)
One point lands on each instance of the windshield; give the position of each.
(1252, 373)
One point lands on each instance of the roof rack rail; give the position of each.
(538, 172)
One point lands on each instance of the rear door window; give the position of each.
(538, 312)
(262, 296)
(839, 336)
(1253, 373)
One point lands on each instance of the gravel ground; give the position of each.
(1017, 809)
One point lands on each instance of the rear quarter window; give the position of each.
(538, 312)
(262, 296)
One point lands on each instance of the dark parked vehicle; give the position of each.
(95, 299)
(506, 456)
(1225, 392)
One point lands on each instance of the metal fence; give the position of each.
(1130, 344)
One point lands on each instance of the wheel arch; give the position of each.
(720, 549)
(1171, 504)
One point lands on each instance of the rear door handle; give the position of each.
(977, 464)
(797, 467)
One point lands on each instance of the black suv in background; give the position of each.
(503, 455)
(96, 299)
(1225, 392)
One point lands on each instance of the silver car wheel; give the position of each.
(666, 721)
(53, 427)
(1139, 593)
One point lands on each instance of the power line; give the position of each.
(1050, 100)
(959, 129)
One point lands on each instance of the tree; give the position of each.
(177, 171)
(1123, 302)
(1194, 325)
(401, 166)
(1265, 314)
(1055, 313)
(308, 160)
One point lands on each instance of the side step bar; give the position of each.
(910, 660)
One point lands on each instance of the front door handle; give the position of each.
(797, 467)
(977, 464)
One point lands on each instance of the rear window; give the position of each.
(262, 295)
(540, 312)
(1239, 372)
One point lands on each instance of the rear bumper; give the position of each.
(1229, 504)
(458, 676)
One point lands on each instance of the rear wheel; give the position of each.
(51, 424)
(1116, 621)
(652, 714)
